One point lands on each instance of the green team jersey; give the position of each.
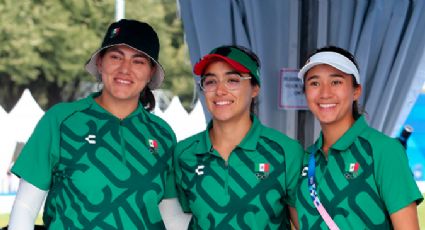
(365, 179)
(251, 190)
(101, 172)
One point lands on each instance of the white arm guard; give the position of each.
(26, 206)
(173, 215)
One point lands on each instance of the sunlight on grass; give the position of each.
(421, 214)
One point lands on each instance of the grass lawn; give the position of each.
(421, 213)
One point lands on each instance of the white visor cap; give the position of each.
(333, 59)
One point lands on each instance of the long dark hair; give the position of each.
(147, 99)
(146, 96)
(357, 110)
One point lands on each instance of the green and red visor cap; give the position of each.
(235, 57)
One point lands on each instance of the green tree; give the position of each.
(45, 44)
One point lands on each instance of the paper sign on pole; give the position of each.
(291, 95)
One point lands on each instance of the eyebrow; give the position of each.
(141, 55)
(209, 74)
(308, 78)
(337, 75)
(334, 75)
(118, 50)
(233, 72)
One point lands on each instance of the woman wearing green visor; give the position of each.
(237, 174)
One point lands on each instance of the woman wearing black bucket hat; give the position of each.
(103, 161)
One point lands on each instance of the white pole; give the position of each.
(119, 9)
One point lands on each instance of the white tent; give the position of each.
(6, 142)
(197, 122)
(16, 126)
(7, 147)
(24, 117)
(5, 139)
(177, 118)
(2, 112)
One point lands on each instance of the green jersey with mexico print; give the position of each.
(251, 190)
(101, 172)
(365, 179)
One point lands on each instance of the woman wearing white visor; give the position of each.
(353, 176)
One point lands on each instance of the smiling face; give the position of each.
(125, 73)
(228, 105)
(330, 95)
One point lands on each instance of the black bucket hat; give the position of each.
(137, 35)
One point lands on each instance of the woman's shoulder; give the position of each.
(278, 136)
(189, 142)
(380, 142)
(155, 122)
(64, 109)
(156, 119)
(195, 138)
(377, 137)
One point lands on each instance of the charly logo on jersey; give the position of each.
(200, 170)
(304, 171)
(91, 139)
(353, 170)
(153, 146)
(262, 170)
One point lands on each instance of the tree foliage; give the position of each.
(45, 44)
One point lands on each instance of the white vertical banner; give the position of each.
(291, 95)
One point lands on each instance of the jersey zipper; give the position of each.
(122, 142)
(226, 180)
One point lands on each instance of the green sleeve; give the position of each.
(170, 183)
(170, 186)
(394, 178)
(39, 155)
(294, 159)
(180, 192)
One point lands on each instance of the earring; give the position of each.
(99, 86)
